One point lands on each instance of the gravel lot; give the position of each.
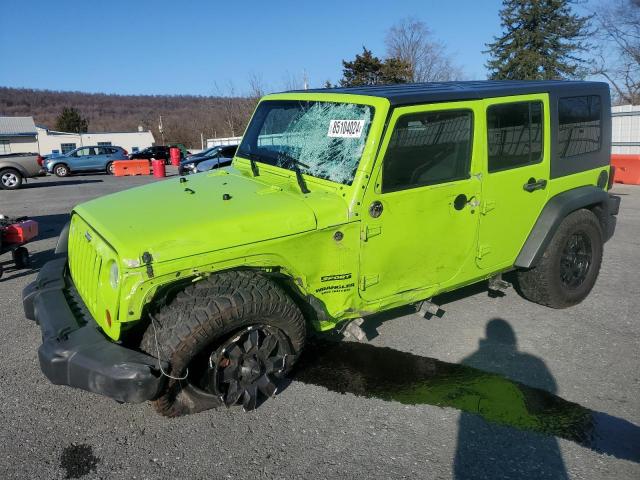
(588, 355)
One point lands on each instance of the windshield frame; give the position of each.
(379, 108)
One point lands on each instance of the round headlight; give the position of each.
(114, 275)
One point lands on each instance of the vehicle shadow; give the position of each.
(500, 414)
(36, 261)
(373, 322)
(57, 183)
(50, 225)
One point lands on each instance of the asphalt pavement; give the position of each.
(495, 388)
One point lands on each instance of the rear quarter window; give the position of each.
(579, 125)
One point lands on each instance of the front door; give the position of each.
(420, 229)
(516, 172)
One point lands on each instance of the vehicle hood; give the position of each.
(172, 219)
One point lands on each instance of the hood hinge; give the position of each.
(147, 258)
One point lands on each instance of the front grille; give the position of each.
(85, 262)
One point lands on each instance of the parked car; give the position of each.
(220, 156)
(159, 152)
(341, 203)
(16, 167)
(203, 153)
(85, 159)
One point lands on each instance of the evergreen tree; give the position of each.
(367, 69)
(70, 120)
(542, 40)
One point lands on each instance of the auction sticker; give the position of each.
(345, 128)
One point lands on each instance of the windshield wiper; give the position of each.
(252, 159)
(296, 164)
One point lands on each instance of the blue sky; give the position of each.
(189, 47)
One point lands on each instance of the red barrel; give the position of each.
(174, 153)
(158, 168)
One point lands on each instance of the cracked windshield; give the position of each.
(321, 139)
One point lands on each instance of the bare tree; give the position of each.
(411, 40)
(619, 58)
(236, 107)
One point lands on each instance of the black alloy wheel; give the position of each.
(244, 370)
(575, 260)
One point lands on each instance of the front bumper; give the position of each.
(74, 352)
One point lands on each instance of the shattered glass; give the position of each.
(325, 138)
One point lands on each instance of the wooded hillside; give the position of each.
(184, 117)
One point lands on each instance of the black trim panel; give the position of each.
(74, 352)
(556, 210)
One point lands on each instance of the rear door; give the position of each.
(515, 177)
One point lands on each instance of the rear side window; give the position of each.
(579, 125)
(514, 135)
(428, 148)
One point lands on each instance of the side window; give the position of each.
(67, 147)
(81, 152)
(427, 148)
(514, 135)
(228, 152)
(579, 127)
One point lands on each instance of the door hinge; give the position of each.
(367, 281)
(369, 232)
(487, 206)
(483, 250)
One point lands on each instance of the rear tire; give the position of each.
(202, 321)
(10, 179)
(110, 168)
(61, 170)
(569, 267)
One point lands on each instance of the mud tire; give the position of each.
(543, 284)
(204, 315)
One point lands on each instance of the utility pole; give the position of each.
(305, 80)
(161, 130)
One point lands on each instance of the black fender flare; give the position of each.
(556, 209)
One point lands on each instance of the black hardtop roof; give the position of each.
(416, 93)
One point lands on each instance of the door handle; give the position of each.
(533, 185)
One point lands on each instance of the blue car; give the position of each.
(85, 159)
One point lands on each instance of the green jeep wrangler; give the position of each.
(340, 203)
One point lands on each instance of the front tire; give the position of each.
(10, 179)
(569, 267)
(228, 338)
(61, 170)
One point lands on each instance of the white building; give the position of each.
(20, 134)
(625, 125)
(52, 141)
(214, 142)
